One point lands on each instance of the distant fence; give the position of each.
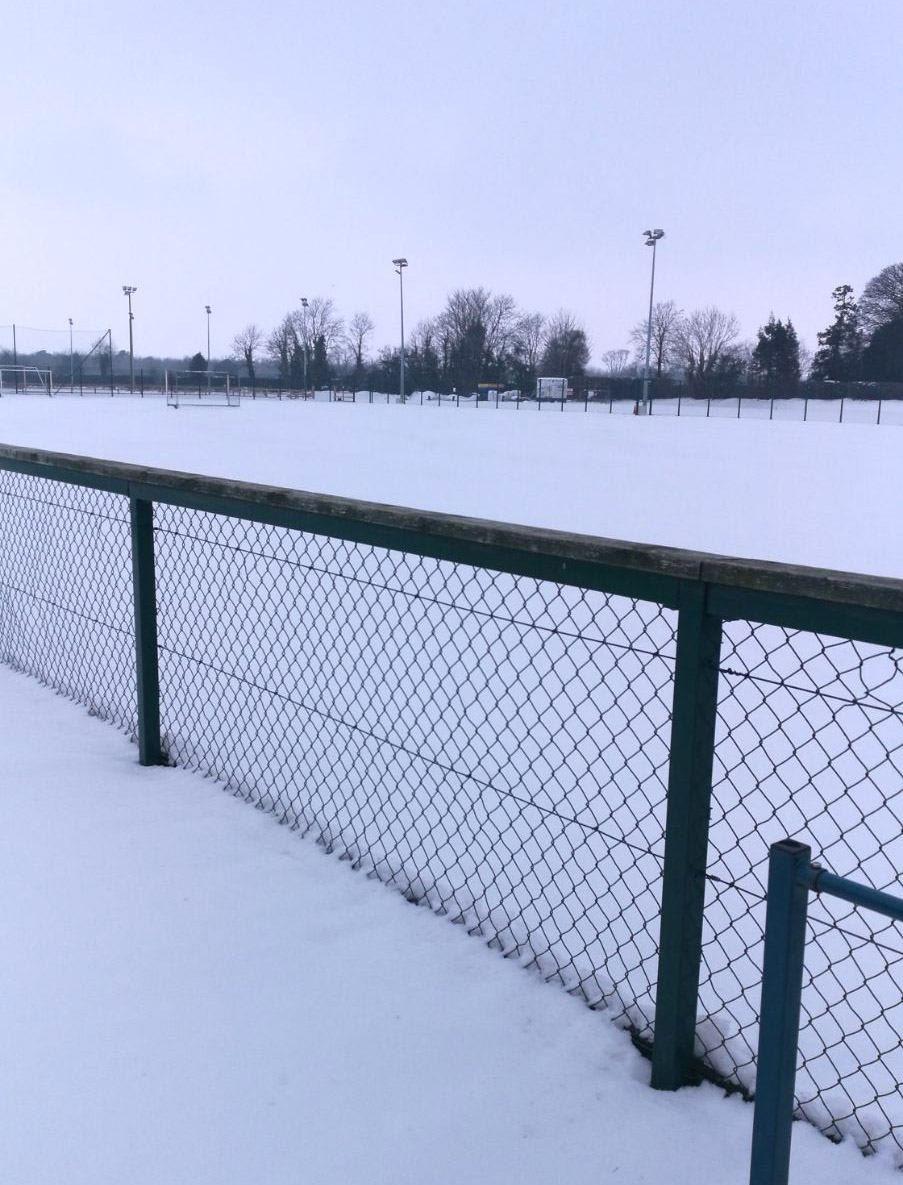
(861, 403)
(580, 749)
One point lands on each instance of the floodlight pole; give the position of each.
(652, 238)
(71, 367)
(127, 290)
(207, 310)
(304, 336)
(400, 265)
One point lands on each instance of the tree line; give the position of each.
(864, 343)
(480, 336)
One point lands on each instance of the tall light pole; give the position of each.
(207, 310)
(304, 337)
(127, 290)
(400, 265)
(71, 366)
(652, 238)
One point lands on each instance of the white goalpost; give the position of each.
(25, 380)
(200, 388)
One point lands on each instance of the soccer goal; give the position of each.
(200, 388)
(25, 380)
(551, 390)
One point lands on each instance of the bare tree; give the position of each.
(245, 345)
(500, 322)
(360, 327)
(318, 320)
(424, 335)
(616, 362)
(665, 325)
(565, 346)
(282, 346)
(526, 349)
(705, 347)
(422, 356)
(476, 330)
(882, 298)
(527, 339)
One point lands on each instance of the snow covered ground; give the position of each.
(192, 995)
(822, 494)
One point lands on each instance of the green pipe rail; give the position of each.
(791, 878)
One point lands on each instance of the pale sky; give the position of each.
(245, 155)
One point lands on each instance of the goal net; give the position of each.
(200, 388)
(551, 389)
(25, 380)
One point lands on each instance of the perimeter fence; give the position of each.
(579, 749)
(831, 403)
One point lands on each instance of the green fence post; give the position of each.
(779, 1026)
(686, 838)
(145, 596)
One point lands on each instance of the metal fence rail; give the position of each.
(862, 406)
(578, 748)
(792, 876)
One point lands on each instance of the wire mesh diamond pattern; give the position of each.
(494, 746)
(810, 745)
(66, 592)
(497, 747)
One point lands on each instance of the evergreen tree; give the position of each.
(882, 360)
(319, 364)
(197, 362)
(776, 357)
(839, 354)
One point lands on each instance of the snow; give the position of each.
(192, 994)
(775, 490)
(806, 493)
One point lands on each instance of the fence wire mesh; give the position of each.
(66, 606)
(497, 748)
(810, 742)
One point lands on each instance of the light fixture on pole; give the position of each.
(71, 367)
(400, 265)
(652, 238)
(304, 338)
(127, 290)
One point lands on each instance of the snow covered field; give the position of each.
(191, 996)
(822, 494)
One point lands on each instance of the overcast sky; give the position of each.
(247, 154)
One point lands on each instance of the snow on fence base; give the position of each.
(579, 748)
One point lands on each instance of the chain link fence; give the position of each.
(498, 746)
(444, 727)
(811, 741)
(66, 605)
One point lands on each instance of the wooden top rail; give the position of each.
(844, 603)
